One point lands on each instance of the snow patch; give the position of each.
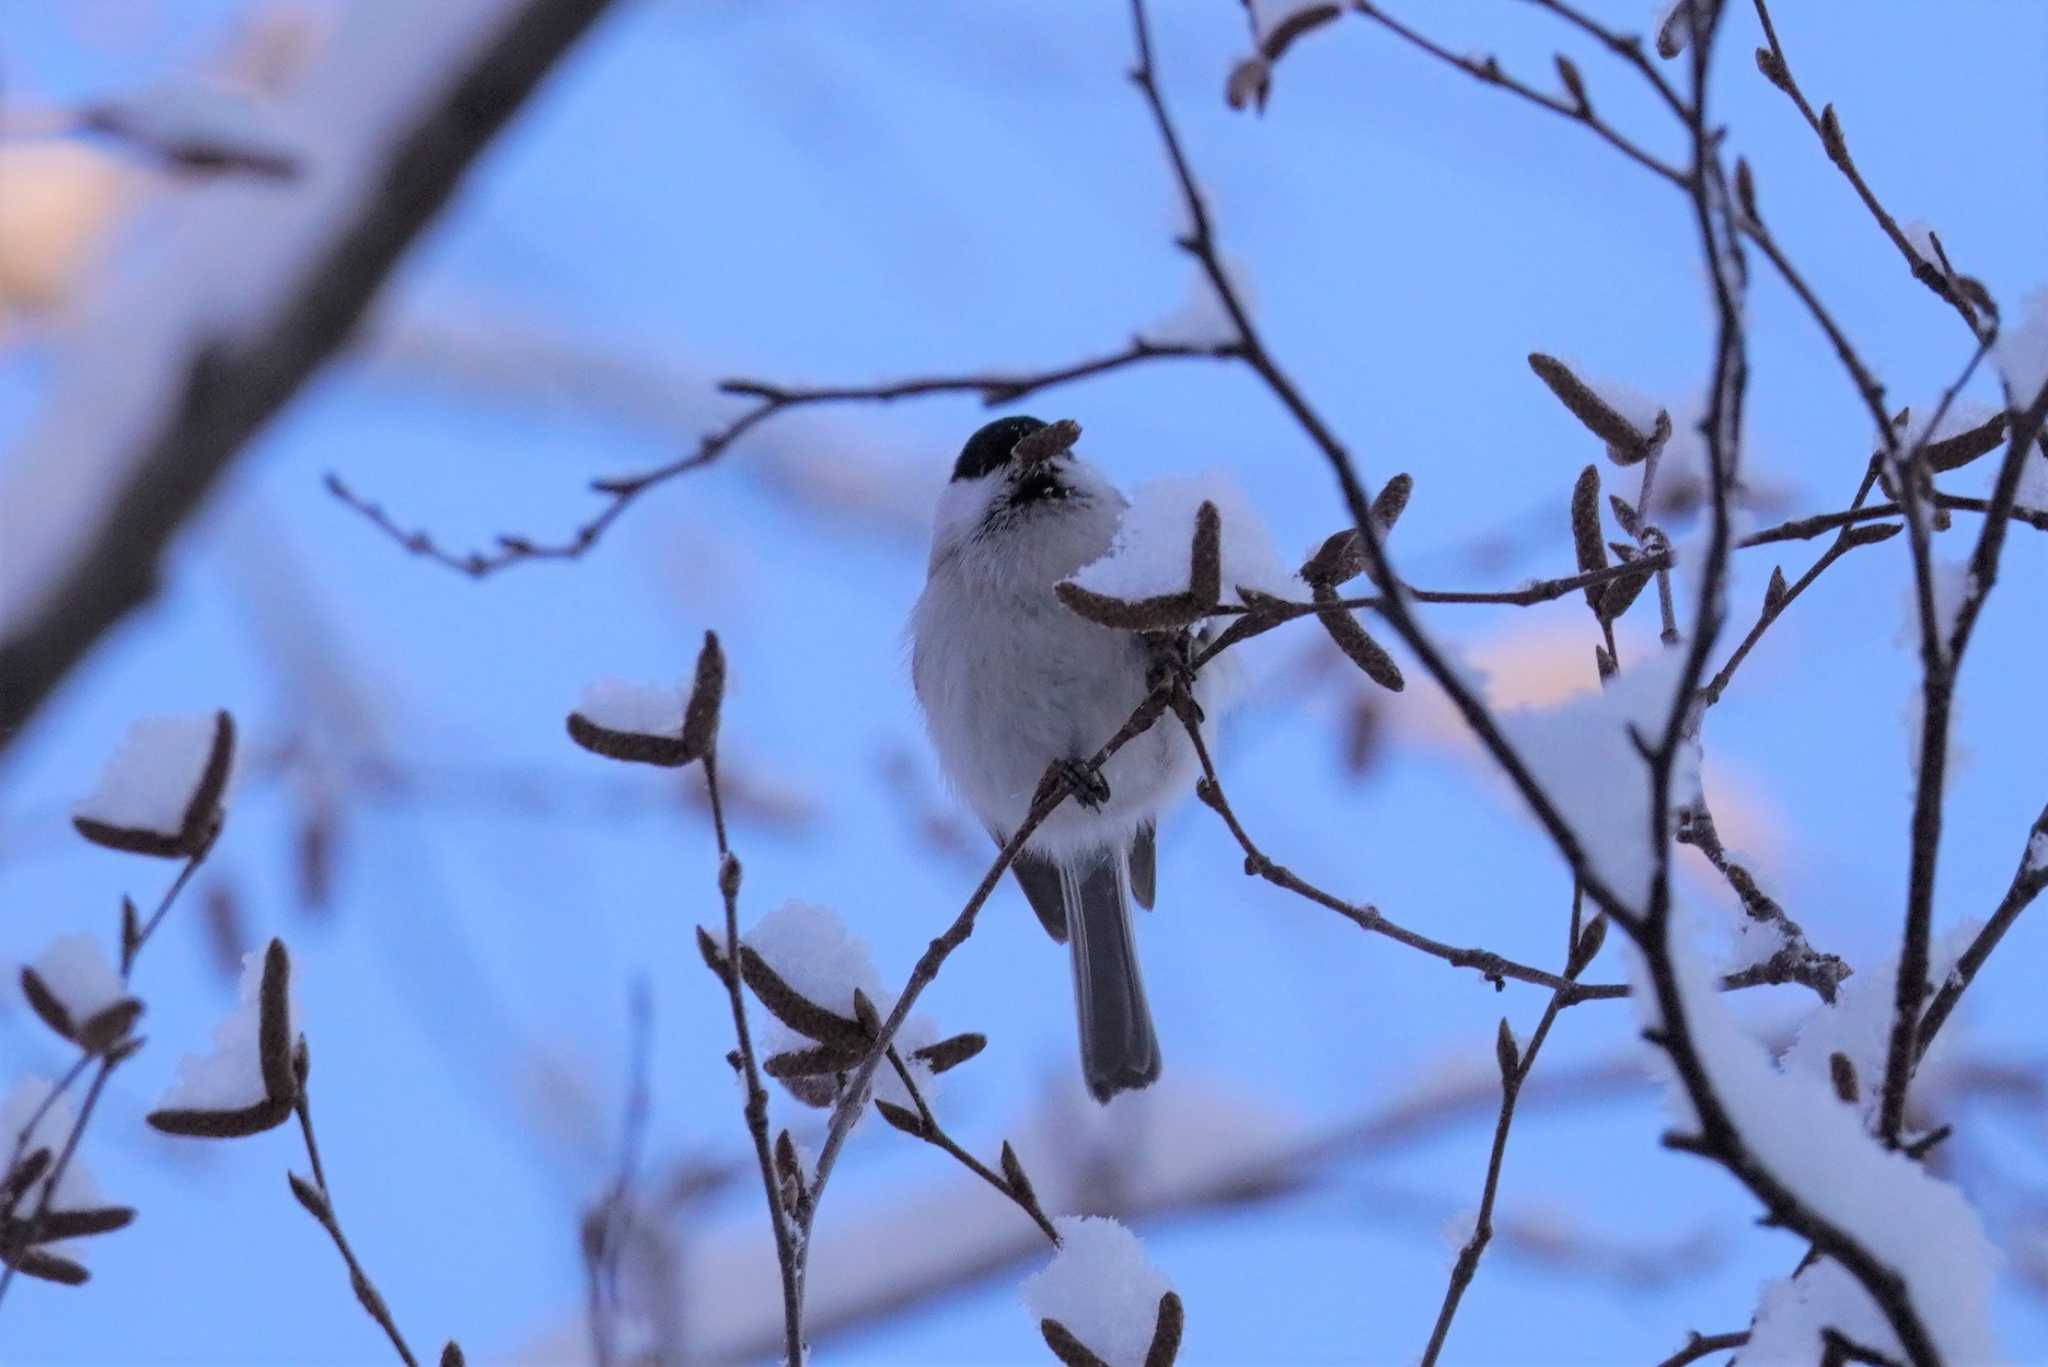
(1583, 756)
(633, 708)
(1102, 1287)
(813, 950)
(153, 774)
(1794, 1127)
(1150, 556)
(231, 1077)
(76, 970)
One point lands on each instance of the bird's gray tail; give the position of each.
(1119, 1052)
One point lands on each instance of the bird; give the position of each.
(1012, 682)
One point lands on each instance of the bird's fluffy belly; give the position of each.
(1051, 687)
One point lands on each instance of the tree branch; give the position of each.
(232, 387)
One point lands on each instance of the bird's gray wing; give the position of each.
(1144, 866)
(1040, 879)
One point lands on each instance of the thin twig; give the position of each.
(770, 400)
(2027, 884)
(1701, 1345)
(1025, 1198)
(322, 1210)
(1489, 71)
(1778, 71)
(109, 1059)
(788, 1257)
(1514, 1072)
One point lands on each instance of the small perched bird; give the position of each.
(1012, 681)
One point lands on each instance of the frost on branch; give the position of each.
(1582, 753)
(1794, 1126)
(1103, 1291)
(164, 790)
(76, 991)
(811, 953)
(1150, 556)
(249, 1082)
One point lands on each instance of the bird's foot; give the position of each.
(1170, 664)
(1082, 780)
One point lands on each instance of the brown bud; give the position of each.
(1772, 68)
(1625, 514)
(707, 696)
(1166, 1332)
(1505, 1053)
(1250, 82)
(1776, 591)
(799, 1013)
(632, 747)
(1586, 536)
(1013, 1173)
(1046, 442)
(1604, 662)
(1745, 189)
(1625, 445)
(83, 1223)
(902, 1117)
(864, 1012)
(1205, 557)
(713, 959)
(1351, 638)
(1296, 24)
(1391, 501)
(823, 1060)
(1573, 82)
(950, 1053)
(311, 1197)
(1166, 612)
(1870, 533)
(1843, 1074)
(195, 1124)
(1676, 31)
(1587, 949)
(1068, 1349)
(1952, 453)
(274, 1029)
(1831, 136)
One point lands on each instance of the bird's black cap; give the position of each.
(990, 448)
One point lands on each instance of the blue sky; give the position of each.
(814, 192)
